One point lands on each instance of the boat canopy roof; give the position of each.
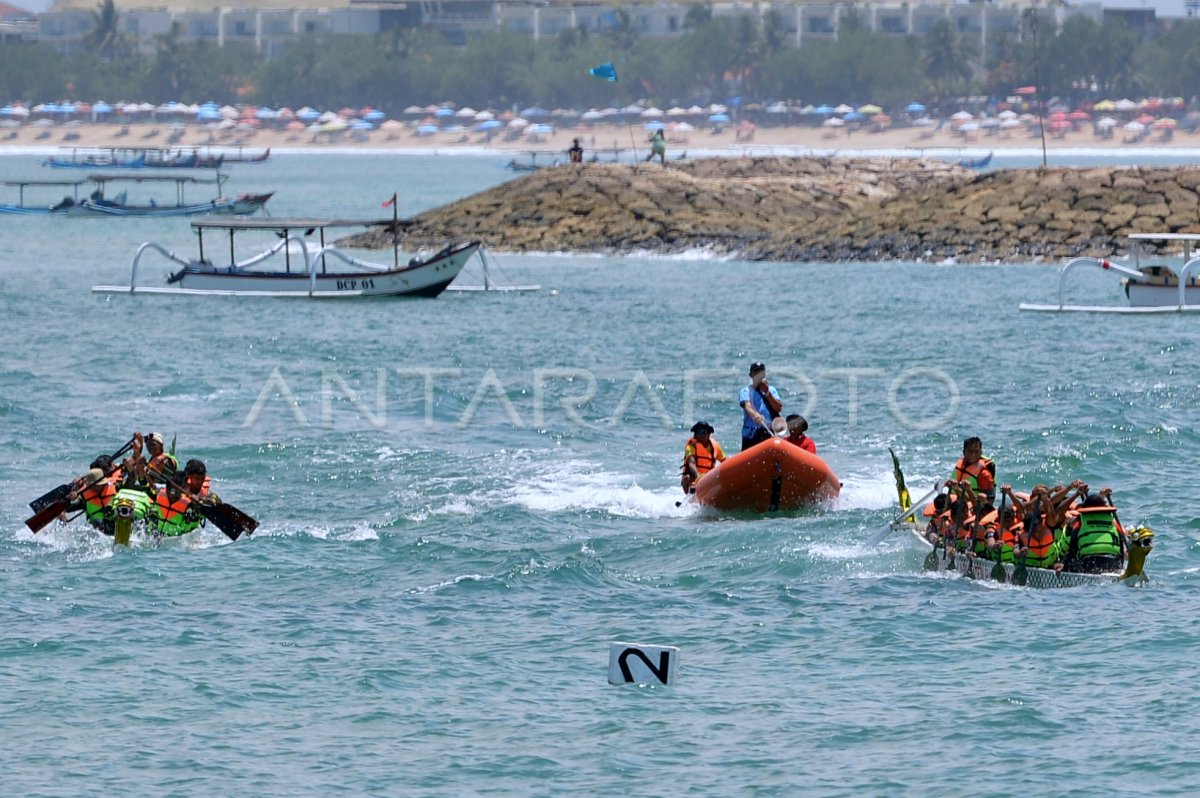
(154, 178)
(282, 223)
(44, 182)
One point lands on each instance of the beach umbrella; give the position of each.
(539, 130)
(1135, 126)
(536, 111)
(100, 107)
(19, 112)
(308, 114)
(695, 110)
(1105, 105)
(677, 111)
(914, 108)
(442, 113)
(466, 112)
(971, 127)
(391, 124)
(683, 126)
(962, 116)
(870, 109)
(823, 109)
(1166, 123)
(484, 116)
(1025, 90)
(853, 116)
(334, 125)
(1106, 122)
(361, 124)
(229, 112)
(518, 122)
(1079, 115)
(295, 124)
(414, 109)
(489, 124)
(592, 115)
(833, 121)
(922, 121)
(1007, 113)
(777, 108)
(652, 112)
(1125, 104)
(718, 119)
(1009, 124)
(6, 110)
(206, 114)
(842, 109)
(374, 115)
(717, 108)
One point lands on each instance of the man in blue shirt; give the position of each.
(760, 406)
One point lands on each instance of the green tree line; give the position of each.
(715, 58)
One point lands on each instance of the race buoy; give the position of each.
(638, 663)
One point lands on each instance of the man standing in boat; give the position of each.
(977, 471)
(760, 405)
(700, 455)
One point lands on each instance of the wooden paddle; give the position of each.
(890, 525)
(63, 491)
(998, 572)
(229, 519)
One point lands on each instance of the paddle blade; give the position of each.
(43, 501)
(46, 515)
(229, 519)
(998, 572)
(1020, 573)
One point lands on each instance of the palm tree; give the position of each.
(946, 61)
(104, 38)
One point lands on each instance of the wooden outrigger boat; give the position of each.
(98, 203)
(59, 207)
(139, 158)
(1153, 288)
(312, 278)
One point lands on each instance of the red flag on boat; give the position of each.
(390, 202)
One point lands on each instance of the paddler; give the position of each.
(1096, 541)
(156, 462)
(94, 493)
(760, 405)
(200, 483)
(977, 471)
(700, 455)
(174, 514)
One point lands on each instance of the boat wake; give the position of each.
(578, 486)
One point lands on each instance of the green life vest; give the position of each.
(142, 504)
(1097, 534)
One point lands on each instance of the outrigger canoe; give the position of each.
(774, 475)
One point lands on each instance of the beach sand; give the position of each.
(765, 141)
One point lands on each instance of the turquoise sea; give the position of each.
(465, 500)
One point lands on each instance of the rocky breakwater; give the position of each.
(816, 209)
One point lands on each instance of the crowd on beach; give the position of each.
(989, 122)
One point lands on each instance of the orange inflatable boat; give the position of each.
(774, 475)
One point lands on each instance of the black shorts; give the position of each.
(758, 437)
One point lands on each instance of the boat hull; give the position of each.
(981, 568)
(428, 279)
(774, 475)
(1147, 296)
(243, 205)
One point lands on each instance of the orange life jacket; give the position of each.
(101, 492)
(168, 509)
(706, 457)
(978, 474)
(1039, 543)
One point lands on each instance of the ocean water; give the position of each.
(464, 501)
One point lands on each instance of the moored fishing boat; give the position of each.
(99, 204)
(311, 278)
(59, 206)
(1153, 288)
(773, 475)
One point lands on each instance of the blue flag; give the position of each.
(606, 71)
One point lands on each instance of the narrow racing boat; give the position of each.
(774, 475)
(940, 559)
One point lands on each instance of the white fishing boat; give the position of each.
(1150, 288)
(273, 271)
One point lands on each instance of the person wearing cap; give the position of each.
(94, 493)
(157, 462)
(700, 455)
(760, 405)
(797, 425)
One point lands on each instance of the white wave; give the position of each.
(446, 583)
(571, 487)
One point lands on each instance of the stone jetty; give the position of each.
(816, 209)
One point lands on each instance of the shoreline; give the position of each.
(767, 142)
